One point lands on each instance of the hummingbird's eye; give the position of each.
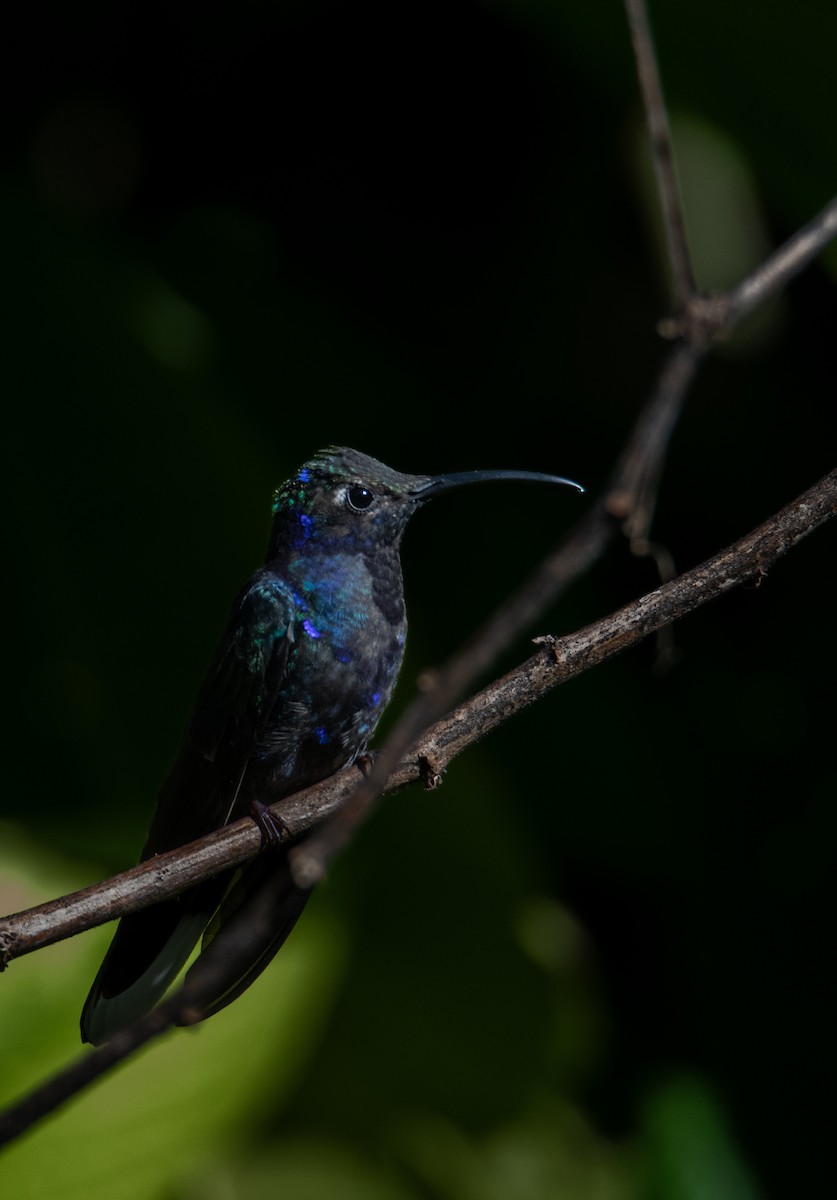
(359, 497)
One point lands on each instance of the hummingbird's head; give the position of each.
(342, 497)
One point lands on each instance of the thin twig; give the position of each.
(632, 493)
(786, 262)
(662, 153)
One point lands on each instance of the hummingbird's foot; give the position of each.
(273, 829)
(365, 761)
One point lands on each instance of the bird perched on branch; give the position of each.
(304, 669)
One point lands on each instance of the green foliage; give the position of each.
(194, 1095)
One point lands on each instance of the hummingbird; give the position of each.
(304, 669)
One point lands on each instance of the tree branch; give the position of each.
(169, 874)
(662, 152)
(786, 262)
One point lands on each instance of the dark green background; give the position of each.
(231, 238)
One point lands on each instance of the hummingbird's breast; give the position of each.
(347, 644)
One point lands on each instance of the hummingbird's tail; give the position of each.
(148, 950)
(258, 912)
(259, 906)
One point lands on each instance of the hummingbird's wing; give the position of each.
(230, 714)
(232, 709)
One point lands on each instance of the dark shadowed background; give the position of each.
(597, 962)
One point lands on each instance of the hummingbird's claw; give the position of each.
(273, 829)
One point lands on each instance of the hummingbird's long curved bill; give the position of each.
(443, 483)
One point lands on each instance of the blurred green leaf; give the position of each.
(194, 1093)
(549, 1150)
(692, 1151)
